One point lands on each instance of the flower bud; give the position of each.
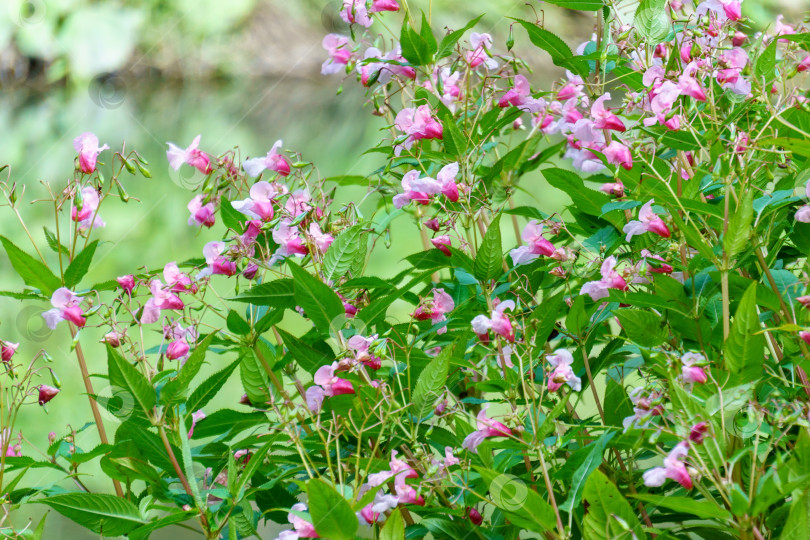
(250, 271)
(47, 393)
(8, 349)
(176, 349)
(475, 516)
(127, 283)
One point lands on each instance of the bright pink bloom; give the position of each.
(805, 336)
(442, 243)
(46, 393)
(520, 96)
(391, 63)
(416, 189)
(339, 53)
(782, 29)
(321, 239)
(303, 528)
(355, 11)
(498, 322)
(192, 156)
(289, 240)
(486, 428)
(361, 349)
(8, 349)
(562, 373)
(127, 283)
(481, 43)
(618, 154)
(603, 118)
(613, 188)
(384, 5)
(659, 268)
(417, 123)
(162, 298)
(87, 146)
(648, 221)
(435, 309)
(536, 245)
(610, 280)
(723, 9)
(261, 201)
(692, 370)
(88, 216)
(674, 468)
(447, 181)
(217, 263)
(201, 214)
(698, 432)
(177, 280)
(331, 384)
(446, 84)
(196, 416)
(273, 160)
(65, 308)
(177, 349)
(804, 65)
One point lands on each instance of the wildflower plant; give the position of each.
(633, 365)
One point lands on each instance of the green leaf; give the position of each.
(278, 294)
(341, 255)
(449, 41)
(489, 260)
(609, 514)
(651, 20)
(520, 503)
(209, 388)
(797, 146)
(394, 528)
(308, 357)
(332, 515)
(227, 422)
(583, 472)
(581, 5)
(766, 63)
(320, 302)
(78, 268)
(32, 271)
(743, 350)
(237, 324)
(256, 459)
(703, 509)
(254, 378)
(54, 244)
(231, 217)
(642, 327)
(737, 238)
(797, 526)
(560, 52)
(418, 48)
(101, 513)
(431, 382)
(585, 199)
(124, 375)
(143, 532)
(454, 140)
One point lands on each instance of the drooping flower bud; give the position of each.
(47, 393)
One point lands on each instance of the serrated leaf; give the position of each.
(739, 228)
(605, 505)
(332, 515)
(53, 243)
(592, 461)
(231, 217)
(78, 268)
(703, 509)
(32, 271)
(124, 375)
(320, 303)
(766, 63)
(394, 528)
(143, 532)
(278, 294)
(489, 259)
(642, 327)
(430, 383)
(101, 513)
(209, 388)
(178, 387)
(254, 378)
(449, 41)
(797, 526)
(308, 357)
(237, 324)
(518, 501)
(560, 52)
(651, 20)
(744, 349)
(340, 256)
(581, 5)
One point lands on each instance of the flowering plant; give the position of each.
(633, 365)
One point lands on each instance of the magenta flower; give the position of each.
(303, 528)
(177, 350)
(486, 428)
(447, 181)
(390, 64)
(698, 432)
(127, 283)
(435, 309)
(692, 370)
(273, 161)
(261, 201)
(177, 280)
(162, 298)
(355, 11)
(520, 96)
(196, 416)
(327, 385)
(803, 213)
(648, 221)
(610, 280)
(613, 188)
(46, 393)
(8, 349)
(340, 53)
(321, 239)
(674, 468)
(618, 154)
(498, 322)
(723, 9)
(562, 373)
(298, 202)
(442, 243)
(87, 216)
(689, 85)
(217, 263)
(417, 123)
(450, 86)
(65, 308)
(361, 349)
(289, 241)
(536, 245)
(201, 214)
(384, 5)
(481, 43)
(192, 156)
(87, 146)
(603, 118)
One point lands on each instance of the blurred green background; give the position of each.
(242, 73)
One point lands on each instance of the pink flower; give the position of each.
(603, 118)
(177, 349)
(804, 65)
(260, 203)
(446, 82)
(177, 280)
(723, 9)
(65, 308)
(87, 217)
(217, 263)
(803, 213)
(498, 322)
(322, 240)
(355, 11)
(361, 349)
(339, 53)
(805, 336)
(8, 349)
(46, 393)
(661, 267)
(618, 154)
(87, 146)
(674, 468)
(520, 95)
(613, 188)
(298, 202)
(692, 371)
(698, 432)
(610, 280)
(196, 416)
(416, 189)
(391, 63)
(384, 5)
(303, 528)
(486, 428)
(442, 243)
(273, 161)
(192, 156)
(536, 245)
(162, 298)
(127, 283)
(435, 309)
(289, 240)
(417, 123)
(481, 43)
(113, 339)
(331, 384)
(447, 181)
(475, 516)
(201, 214)
(648, 221)
(782, 29)
(689, 85)
(562, 373)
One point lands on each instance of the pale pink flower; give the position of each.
(259, 205)
(8, 349)
(201, 214)
(692, 370)
(355, 11)
(486, 428)
(195, 417)
(416, 189)
(339, 53)
(289, 240)
(536, 245)
(321, 239)
(610, 280)
(87, 146)
(648, 221)
(442, 243)
(391, 63)
(674, 468)
(417, 123)
(87, 217)
(435, 309)
(302, 528)
(603, 118)
(618, 154)
(331, 384)
(361, 349)
(562, 373)
(65, 308)
(520, 96)
(498, 322)
(803, 213)
(192, 156)
(384, 5)
(273, 161)
(481, 43)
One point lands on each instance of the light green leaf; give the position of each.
(320, 302)
(651, 20)
(78, 268)
(642, 327)
(332, 515)
(349, 245)
(431, 381)
(32, 271)
(394, 528)
(489, 260)
(738, 236)
(124, 375)
(209, 388)
(609, 514)
(744, 349)
(101, 513)
(278, 294)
